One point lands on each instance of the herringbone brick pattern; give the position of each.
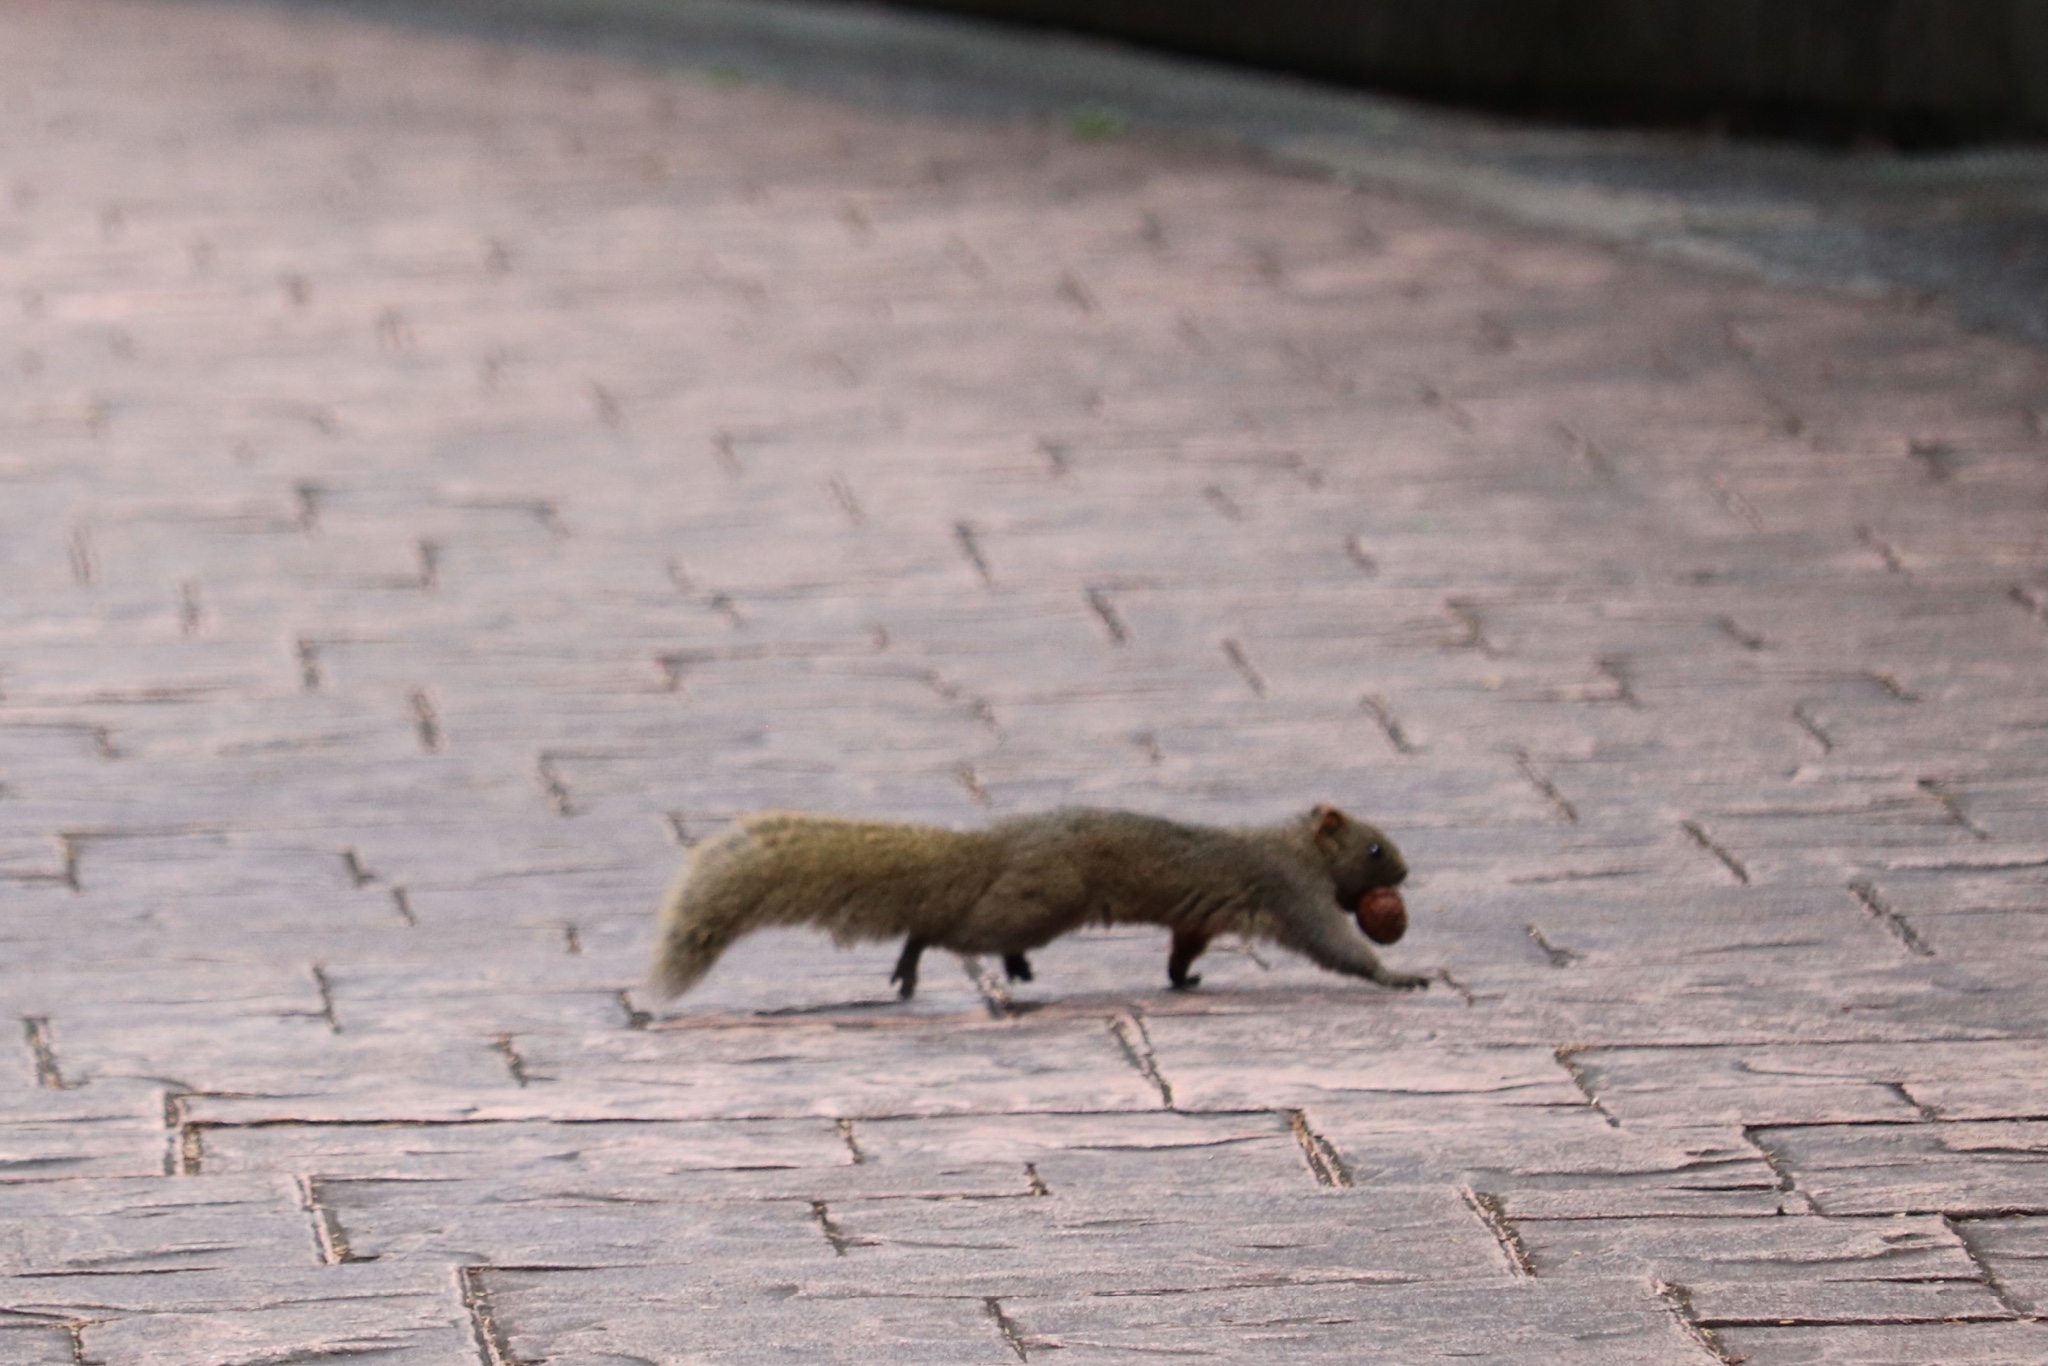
(440, 478)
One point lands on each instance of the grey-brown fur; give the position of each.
(1023, 882)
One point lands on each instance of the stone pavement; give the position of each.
(440, 477)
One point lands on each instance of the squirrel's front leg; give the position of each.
(1187, 947)
(1333, 941)
(906, 968)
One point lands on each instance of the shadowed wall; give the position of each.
(1916, 71)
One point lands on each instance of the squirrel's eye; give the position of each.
(1372, 851)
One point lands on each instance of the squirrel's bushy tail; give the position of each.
(700, 918)
(687, 950)
(857, 880)
(726, 891)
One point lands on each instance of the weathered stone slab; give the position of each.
(445, 475)
(2014, 1250)
(251, 1314)
(30, 1341)
(521, 1150)
(1828, 1344)
(1757, 1270)
(1956, 1168)
(1522, 1320)
(665, 1311)
(148, 1226)
(65, 1131)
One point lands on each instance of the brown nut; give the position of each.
(1383, 915)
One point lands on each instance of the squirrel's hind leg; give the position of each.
(1017, 967)
(906, 968)
(1187, 947)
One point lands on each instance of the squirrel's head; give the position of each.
(1366, 867)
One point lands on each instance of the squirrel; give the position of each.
(1320, 884)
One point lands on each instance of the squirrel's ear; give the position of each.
(1328, 820)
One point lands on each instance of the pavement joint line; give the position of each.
(1802, 713)
(425, 719)
(1697, 833)
(330, 1239)
(1567, 1056)
(515, 1065)
(553, 786)
(486, 1334)
(635, 1018)
(1560, 805)
(978, 706)
(71, 853)
(1433, 398)
(1617, 671)
(968, 538)
(307, 653)
(835, 1237)
(1491, 1213)
(185, 1148)
(43, 1052)
(1787, 1183)
(1128, 1029)
(1468, 616)
(2034, 603)
(1850, 1321)
(1227, 507)
(1559, 956)
(1740, 634)
(1866, 892)
(1596, 460)
(1885, 551)
(1463, 991)
(1906, 1097)
(1939, 790)
(1007, 1327)
(1105, 611)
(2019, 1306)
(1354, 549)
(1325, 1163)
(842, 495)
(1734, 503)
(1678, 1300)
(1383, 716)
(970, 783)
(359, 876)
(84, 559)
(325, 987)
(1241, 661)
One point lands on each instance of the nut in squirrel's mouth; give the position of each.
(1382, 915)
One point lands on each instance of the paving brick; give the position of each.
(446, 474)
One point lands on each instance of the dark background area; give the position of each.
(1914, 73)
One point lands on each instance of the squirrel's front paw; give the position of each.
(1403, 981)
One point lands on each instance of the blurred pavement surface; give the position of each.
(442, 475)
